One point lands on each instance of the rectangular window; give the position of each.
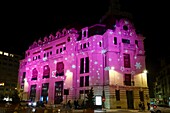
(126, 41)
(100, 44)
(81, 81)
(87, 81)
(117, 95)
(136, 42)
(23, 77)
(86, 91)
(105, 61)
(81, 46)
(81, 92)
(60, 50)
(81, 65)
(84, 45)
(141, 95)
(87, 65)
(47, 54)
(127, 79)
(57, 51)
(84, 33)
(50, 52)
(34, 78)
(44, 54)
(126, 60)
(88, 44)
(115, 40)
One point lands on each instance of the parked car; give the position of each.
(159, 108)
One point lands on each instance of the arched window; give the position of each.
(60, 69)
(46, 71)
(34, 74)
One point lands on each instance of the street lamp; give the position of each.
(145, 71)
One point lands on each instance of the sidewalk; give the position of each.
(112, 110)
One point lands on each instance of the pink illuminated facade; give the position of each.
(109, 60)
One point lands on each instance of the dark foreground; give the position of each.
(48, 110)
(14, 109)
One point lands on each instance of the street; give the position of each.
(57, 110)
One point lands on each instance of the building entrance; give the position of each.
(129, 95)
(44, 93)
(58, 94)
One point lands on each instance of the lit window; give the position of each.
(6, 53)
(1, 52)
(11, 55)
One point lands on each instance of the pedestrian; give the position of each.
(69, 106)
(143, 106)
(148, 104)
(75, 106)
(140, 106)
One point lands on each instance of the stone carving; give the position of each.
(45, 39)
(40, 42)
(58, 34)
(51, 37)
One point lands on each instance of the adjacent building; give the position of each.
(9, 65)
(108, 57)
(162, 84)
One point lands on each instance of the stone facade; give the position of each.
(109, 60)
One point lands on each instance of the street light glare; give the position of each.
(145, 71)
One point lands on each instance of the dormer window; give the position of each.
(84, 33)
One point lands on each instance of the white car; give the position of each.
(160, 108)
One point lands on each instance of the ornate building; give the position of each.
(109, 59)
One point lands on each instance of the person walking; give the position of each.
(69, 106)
(143, 106)
(148, 104)
(140, 106)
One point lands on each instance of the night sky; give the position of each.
(24, 22)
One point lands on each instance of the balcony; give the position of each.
(129, 83)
